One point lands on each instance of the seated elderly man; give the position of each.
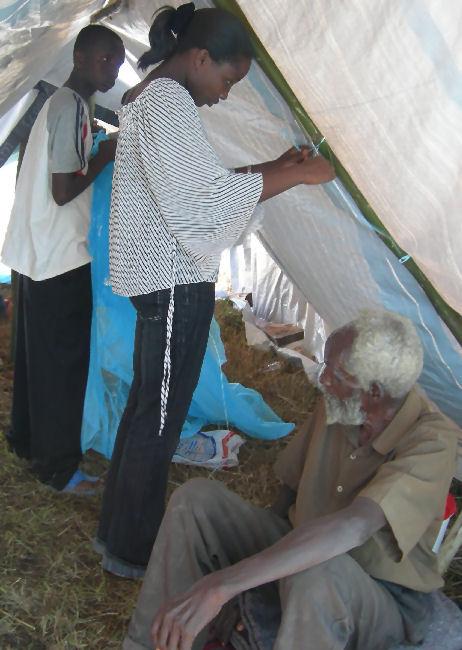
(348, 544)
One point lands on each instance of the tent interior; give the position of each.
(382, 82)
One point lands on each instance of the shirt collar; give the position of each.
(401, 423)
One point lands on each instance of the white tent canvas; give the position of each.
(382, 81)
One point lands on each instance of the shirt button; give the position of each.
(339, 488)
(353, 456)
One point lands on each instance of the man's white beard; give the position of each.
(347, 411)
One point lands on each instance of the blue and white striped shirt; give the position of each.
(174, 207)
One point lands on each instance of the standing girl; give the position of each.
(174, 209)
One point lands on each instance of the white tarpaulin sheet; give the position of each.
(383, 89)
(382, 79)
(32, 35)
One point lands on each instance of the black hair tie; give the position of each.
(182, 17)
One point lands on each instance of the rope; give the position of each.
(167, 356)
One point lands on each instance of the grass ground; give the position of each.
(53, 592)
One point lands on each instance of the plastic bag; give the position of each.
(216, 449)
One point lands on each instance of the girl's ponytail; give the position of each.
(178, 30)
(161, 38)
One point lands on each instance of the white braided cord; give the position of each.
(167, 356)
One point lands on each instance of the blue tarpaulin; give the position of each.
(215, 401)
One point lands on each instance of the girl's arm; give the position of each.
(294, 167)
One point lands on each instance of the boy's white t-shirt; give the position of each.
(43, 239)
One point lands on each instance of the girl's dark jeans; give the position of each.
(134, 495)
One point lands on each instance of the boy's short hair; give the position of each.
(92, 35)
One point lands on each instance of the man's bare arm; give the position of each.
(306, 546)
(179, 620)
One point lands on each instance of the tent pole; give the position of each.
(452, 319)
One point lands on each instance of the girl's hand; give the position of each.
(292, 156)
(314, 171)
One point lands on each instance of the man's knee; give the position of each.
(318, 595)
(196, 492)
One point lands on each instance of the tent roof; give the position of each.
(381, 81)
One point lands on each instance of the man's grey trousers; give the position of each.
(334, 605)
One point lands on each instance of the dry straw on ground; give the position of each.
(53, 592)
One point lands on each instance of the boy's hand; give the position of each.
(95, 127)
(107, 150)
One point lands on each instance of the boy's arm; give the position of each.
(65, 187)
(180, 619)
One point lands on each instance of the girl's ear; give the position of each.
(201, 58)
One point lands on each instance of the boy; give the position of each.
(46, 243)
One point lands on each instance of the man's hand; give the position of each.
(180, 619)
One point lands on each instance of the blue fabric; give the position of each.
(215, 401)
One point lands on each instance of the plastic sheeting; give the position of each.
(32, 35)
(215, 401)
(321, 242)
(275, 298)
(382, 81)
(7, 183)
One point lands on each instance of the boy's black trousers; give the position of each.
(50, 373)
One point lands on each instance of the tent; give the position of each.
(382, 83)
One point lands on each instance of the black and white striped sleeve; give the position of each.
(206, 206)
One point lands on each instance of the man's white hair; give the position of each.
(386, 350)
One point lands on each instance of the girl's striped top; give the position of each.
(174, 207)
